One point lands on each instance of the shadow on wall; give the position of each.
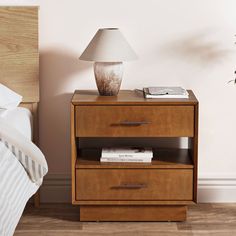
(56, 67)
(199, 48)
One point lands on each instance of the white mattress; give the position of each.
(21, 119)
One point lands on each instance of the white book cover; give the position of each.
(131, 152)
(165, 92)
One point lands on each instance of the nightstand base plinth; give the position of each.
(133, 213)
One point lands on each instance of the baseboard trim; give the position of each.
(217, 189)
(56, 188)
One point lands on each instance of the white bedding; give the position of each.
(20, 118)
(15, 190)
(22, 167)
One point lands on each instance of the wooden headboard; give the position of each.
(19, 57)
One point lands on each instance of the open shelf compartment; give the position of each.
(163, 158)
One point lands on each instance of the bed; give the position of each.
(21, 119)
(20, 173)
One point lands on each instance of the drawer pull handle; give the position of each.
(129, 186)
(134, 123)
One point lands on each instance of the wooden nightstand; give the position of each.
(159, 191)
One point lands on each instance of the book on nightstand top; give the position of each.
(165, 92)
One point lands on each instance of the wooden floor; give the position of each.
(58, 220)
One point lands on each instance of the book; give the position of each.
(165, 92)
(130, 160)
(129, 153)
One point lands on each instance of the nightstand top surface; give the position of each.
(127, 97)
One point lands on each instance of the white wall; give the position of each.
(188, 43)
(185, 43)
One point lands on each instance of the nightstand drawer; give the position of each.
(130, 184)
(133, 121)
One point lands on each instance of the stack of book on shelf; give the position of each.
(128, 154)
(165, 92)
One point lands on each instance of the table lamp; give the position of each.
(108, 49)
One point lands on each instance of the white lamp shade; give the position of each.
(108, 45)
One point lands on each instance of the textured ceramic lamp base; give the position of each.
(108, 77)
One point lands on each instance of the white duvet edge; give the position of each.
(14, 137)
